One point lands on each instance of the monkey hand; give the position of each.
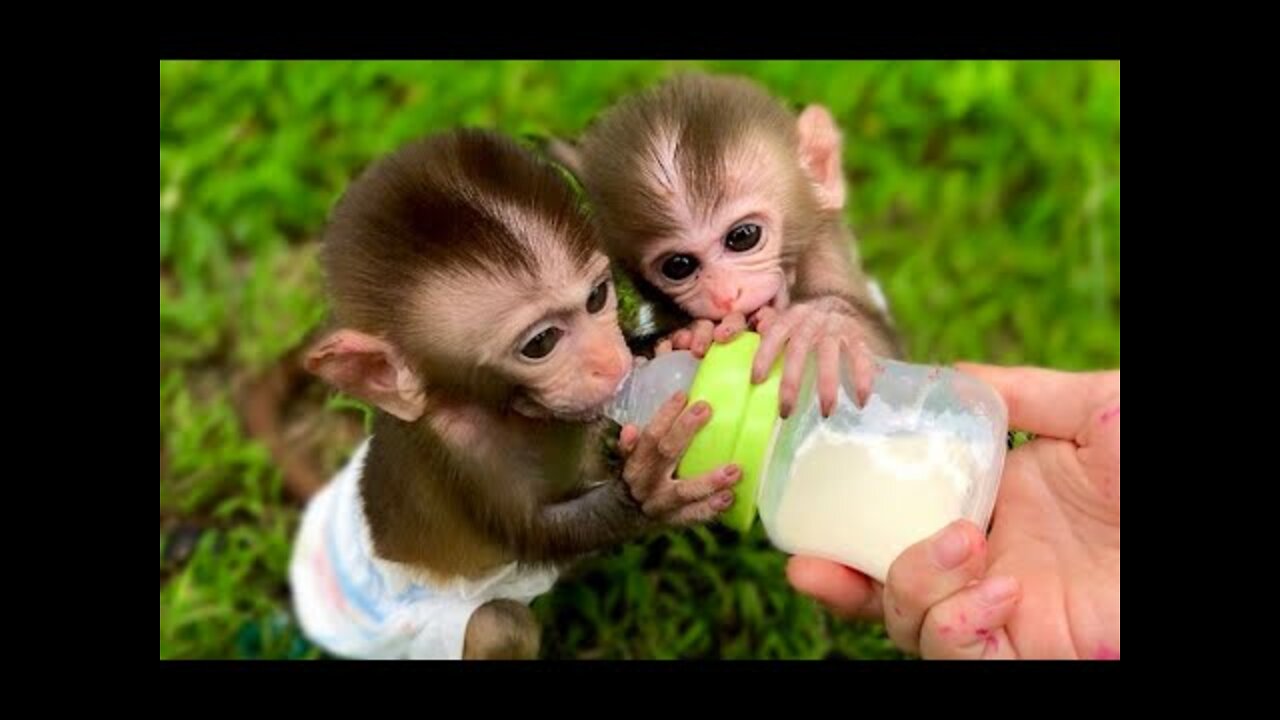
(695, 338)
(698, 336)
(651, 456)
(829, 325)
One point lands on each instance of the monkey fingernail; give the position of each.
(723, 500)
(626, 438)
(732, 473)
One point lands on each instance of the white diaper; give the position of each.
(356, 605)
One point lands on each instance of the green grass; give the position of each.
(986, 197)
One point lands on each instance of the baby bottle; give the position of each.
(859, 487)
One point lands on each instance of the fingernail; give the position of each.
(786, 410)
(724, 500)
(732, 472)
(702, 408)
(680, 396)
(950, 548)
(996, 590)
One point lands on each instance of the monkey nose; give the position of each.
(725, 302)
(612, 368)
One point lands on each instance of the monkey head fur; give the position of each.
(462, 267)
(711, 190)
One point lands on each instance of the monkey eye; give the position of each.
(679, 267)
(595, 301)
(743, 237)
(542, 344)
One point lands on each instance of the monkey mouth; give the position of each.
(623, 381)
(775, 303)
(600, 409)
(780, 301)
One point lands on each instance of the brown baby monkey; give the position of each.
(474, 311)
(716, 195)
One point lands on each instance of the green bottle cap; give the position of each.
(743, 419)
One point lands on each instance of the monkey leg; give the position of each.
(502, 630)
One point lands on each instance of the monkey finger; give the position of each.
(763, 318)
(698, 488)
(828, 374)
(666, 416)
(865, 368)
(627, 439)
(658, 427)
(702, 335)
(730, 327)
(771, 343)
(970, 625)
(675, 494)
(663, 347)
(682, 339)
(704, 510)
(797, 353)
(672, 444)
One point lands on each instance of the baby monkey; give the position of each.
(716, 195)
(475, 312)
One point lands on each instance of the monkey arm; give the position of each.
(602, 516)
(826, 268)
(828, 274)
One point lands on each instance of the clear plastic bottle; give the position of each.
(650, 385)
(859, 487)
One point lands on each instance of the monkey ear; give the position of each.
(370, 369)
(820, 154)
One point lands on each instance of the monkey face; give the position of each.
(694, 183)
(706, 231)
(464, 270)
(548, 342)
(570, 361)
(728, 262)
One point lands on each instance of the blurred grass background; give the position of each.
(987, 200)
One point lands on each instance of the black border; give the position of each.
(598, 39)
